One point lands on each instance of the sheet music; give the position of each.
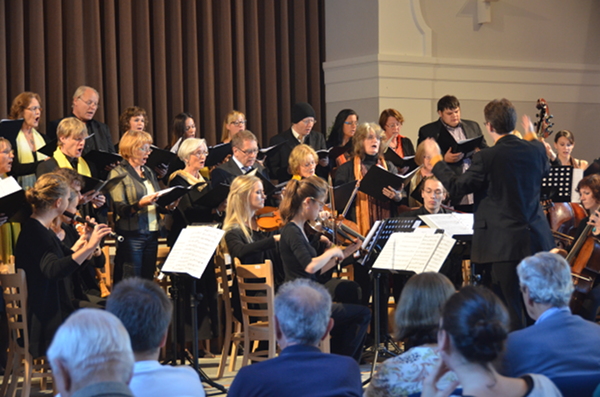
(385, 260)
(452, 224)
(577, 176)
(193, 250)
(423, 252)
(440, 254)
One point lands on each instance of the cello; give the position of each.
(584, 259)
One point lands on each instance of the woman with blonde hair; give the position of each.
(303, 162)
(234, 122)
(26, 141)
(417, 320)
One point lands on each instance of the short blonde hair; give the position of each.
(362, 133)
(189, 146)
(298, 156)
(70, 127)
(132, 140)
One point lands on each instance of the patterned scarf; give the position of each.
(368, 209)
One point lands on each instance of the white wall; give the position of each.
(421, 50)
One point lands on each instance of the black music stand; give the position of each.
(379, 238)
(557, 186)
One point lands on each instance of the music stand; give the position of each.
(559, 184)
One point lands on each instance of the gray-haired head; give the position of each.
(92, 344)
(303, 309)
(547, 276)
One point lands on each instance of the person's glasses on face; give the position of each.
(200, 153)
(352, 123)
(8, 152)
(238, 123)
(34, 109)
(309, 121)
(437, 192)
(249, 152)
(145, 149)
(393, 125)
(372, 137)
(90, 103)
(320, 202)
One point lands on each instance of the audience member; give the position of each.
(417, 321)
(559, 343)
(472, 333)
(302, 320)
(91, 356)
(145, 311)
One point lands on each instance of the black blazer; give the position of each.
(279, 161)
(506, 181)
(17, 168)
(226, 172)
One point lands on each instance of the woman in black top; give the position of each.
(344, 128)
(47, 262)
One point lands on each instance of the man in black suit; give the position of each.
(245, 150)
(303, 119)
(449, 111)
(509, 223)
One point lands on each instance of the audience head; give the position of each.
(183, 127)
(545, 278)
(303, 161)
(6, 156)
(433, 194)
(307, 194)
(135, 145)
(70, 135)
(474, 325)
(91, 346)
(303, 118)
(391, 122)
(420, 308)
(27, 106)
(234, 122)
(448, 109)
(193, 152)
(368, 140)
(133, 118)
(50, 192)
(500, 116)
(145, 311)
(589, 191)
(344, 127)
(245, 147)
(85, 103)
(302, 313)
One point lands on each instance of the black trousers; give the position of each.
(503, 280)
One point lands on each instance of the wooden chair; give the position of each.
(233, 328)
(20, 362)
(258, 322)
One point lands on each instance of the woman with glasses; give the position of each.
(137, 217)
(391, 122)
(344, 128)
(234, 122)
(303, 162)
(192, 152)
(26, 140)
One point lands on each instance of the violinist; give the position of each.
(313, 258)
(303, 162)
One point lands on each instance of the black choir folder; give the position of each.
(98, 185)
(377, 178)
(217, 154)
(101, 159)
(159, 157)
(172, 194)
(12, 197)
(210, 198)
(466, 146)
(400, 162)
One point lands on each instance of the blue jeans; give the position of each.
(136, 256)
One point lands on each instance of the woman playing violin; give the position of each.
(313, 258)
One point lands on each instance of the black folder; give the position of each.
(49, 148)
(377, 178)
(159, 156)
(99, 185)
(9, 129)
(400, 162)
(342, 194)
(211, 198)
(175, 193)
(416, 194)
(217, 153)
(466, 146)
(268, 151)
(101, 159)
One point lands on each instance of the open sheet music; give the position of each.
(424, 250)
(453, 224)
(193, 250)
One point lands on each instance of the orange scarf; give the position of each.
(368, 209)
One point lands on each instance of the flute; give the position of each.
(79, 219)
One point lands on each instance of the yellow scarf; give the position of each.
(189, 178)
(82, 166)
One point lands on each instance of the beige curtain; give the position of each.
(167, 56)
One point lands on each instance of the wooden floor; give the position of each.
(208, 365)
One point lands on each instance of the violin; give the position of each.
(269, 219)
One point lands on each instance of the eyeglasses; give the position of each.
(34, 109)
(309, 121)
(371, 137)
(249, 151)
(237, 123)
(89, 103)
(145, 149)
(437, 193)
(320, 202)
(308, 165)
(353, 123)
(394, 125)
(8, 151)
(190, 127)
(200, 153)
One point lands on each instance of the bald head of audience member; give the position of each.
(302, 313)
(145, 311)
(545, 280)
(90, 347)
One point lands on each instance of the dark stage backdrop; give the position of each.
(167, 56)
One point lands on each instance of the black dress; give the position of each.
(47, 263)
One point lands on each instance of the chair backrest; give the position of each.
(262, 292)
(14, 288)
(224, 274)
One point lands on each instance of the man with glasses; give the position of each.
(303, 121)
(245, 150)
(84, 107)
(448, 108)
